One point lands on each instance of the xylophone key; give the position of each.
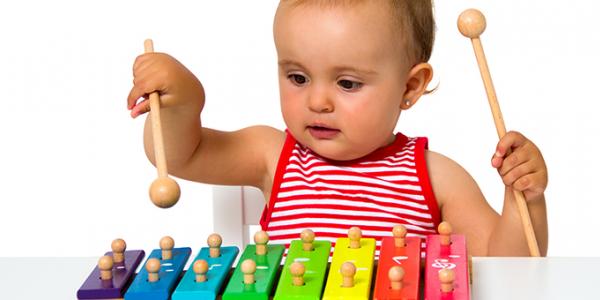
(218, 269)
(122, 272)
(362, 257)
(315, 264)
(399, 251)
(264, 277)
(168, 274)
(446, 251)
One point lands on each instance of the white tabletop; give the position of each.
(493, 277)
(535, 278)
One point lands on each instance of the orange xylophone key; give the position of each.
(398, 251)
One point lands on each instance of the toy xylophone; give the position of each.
(306, 273)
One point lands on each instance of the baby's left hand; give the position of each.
(524, 169)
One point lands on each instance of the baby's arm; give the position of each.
(464, 206)
(243, 157)
(521, 166)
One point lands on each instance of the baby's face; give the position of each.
(342, 77)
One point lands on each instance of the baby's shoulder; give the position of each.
(263, 138)
(447, 177)
(438, 162)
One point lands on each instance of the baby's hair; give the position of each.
(412, 18)
(419, 23)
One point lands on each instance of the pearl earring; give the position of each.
(407, 102)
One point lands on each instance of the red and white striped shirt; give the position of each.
(385, 188)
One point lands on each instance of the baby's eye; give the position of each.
(349, 85)
(297, 79)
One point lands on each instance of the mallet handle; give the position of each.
(501, 129)
(157, 137)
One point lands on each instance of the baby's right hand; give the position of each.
(160, 72)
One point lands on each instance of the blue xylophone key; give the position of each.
(169, 273)
(218, 269)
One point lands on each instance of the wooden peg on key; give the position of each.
(446, 277)
(249, 268)
(166, 245)
(354, 235)
(297, 270)
(200, 267)
(105, 264)
(348, 270)
(399, 233)
(445, 230)
(118, 247)
(261, 238)
(153, 266)
(308, 237)
(396, 274)
(164, 191)
(214, 242)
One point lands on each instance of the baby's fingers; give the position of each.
(134, 95)
(141, 108)
(517, 173)
(530, 183)
(142, 87)
(510, 140)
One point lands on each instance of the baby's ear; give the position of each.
(416, 84)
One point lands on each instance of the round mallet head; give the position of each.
(471, 23)
(164, 192)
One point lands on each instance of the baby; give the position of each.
(347, 69)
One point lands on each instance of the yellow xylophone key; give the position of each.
(362, 258)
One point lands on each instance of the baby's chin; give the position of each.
(331, 151)
(335, 149)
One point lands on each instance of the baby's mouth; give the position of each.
(322, 132)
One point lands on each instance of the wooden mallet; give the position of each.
(471, 23)
(164, 191)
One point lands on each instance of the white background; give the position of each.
(73, 171)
